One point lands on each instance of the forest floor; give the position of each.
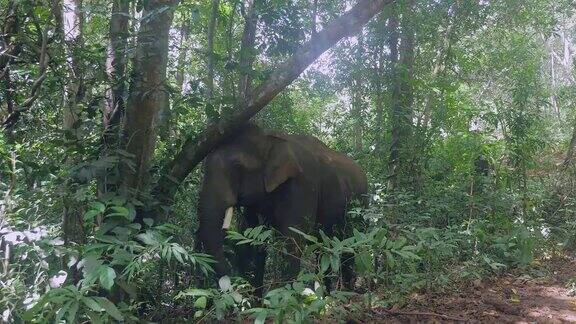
(542, 297)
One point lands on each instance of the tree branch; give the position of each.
(27, 104)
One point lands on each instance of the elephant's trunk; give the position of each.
(210, 235)
(216, 201)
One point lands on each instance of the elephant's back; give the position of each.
(338, 167)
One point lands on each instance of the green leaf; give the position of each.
(325, 262)
(110, 308)
(63, 310)
(107, 276)
(335, 262)
(121, 211)
(72, 312)
(306, 236)
(94, 318)
(193, 292)
(201, 302)
(90, 214)
(92, 304)
(147, 238)
(261, 318)
(178, 256)
(148, 221)
(100, 207)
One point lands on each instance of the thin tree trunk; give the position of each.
(402, 99)
(182, 51)
(210, 57)
(196, 148)
(229, 75)
(358, 96)
(378, 83)
(73, 20)
(147, 91)
(115, 70)
(553, 81)
(571, 148)
(9, 29)
(395, 84)
(73, 25)
(439, 67)
(247, 51)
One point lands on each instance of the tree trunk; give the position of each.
(395, 85)
(228, 76)
(115, 70)
(439, 67)
(210, 55)
(195, 149)
(378, 83)
(147, 91)
(73, 21)
(72, 29)
(402, 98)
(358, 95)
(247, 51)
(571, 147)
(9, 29)
(182, 51)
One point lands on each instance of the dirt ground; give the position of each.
(511, 298)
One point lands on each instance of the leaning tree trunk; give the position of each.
(147, 92)
(196, 148)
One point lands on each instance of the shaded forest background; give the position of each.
(462, 112)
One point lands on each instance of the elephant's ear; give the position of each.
(282, 165)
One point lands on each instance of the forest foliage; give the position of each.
(462, 113)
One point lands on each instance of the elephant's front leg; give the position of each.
(210, 240)
(251, 260)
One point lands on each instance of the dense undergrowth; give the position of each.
(428, 240)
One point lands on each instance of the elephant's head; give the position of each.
(241, 171)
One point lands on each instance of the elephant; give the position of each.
(280, 180)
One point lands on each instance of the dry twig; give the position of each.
(446, 317)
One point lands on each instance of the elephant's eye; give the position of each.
(246, 161)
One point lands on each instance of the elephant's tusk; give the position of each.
(228, 218)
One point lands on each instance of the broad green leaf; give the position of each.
(110, 308)
(200, 302)
(261, 318)
(100, 207)
(325, 262)
(92, 304)
(107, 276)
(306, 236)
